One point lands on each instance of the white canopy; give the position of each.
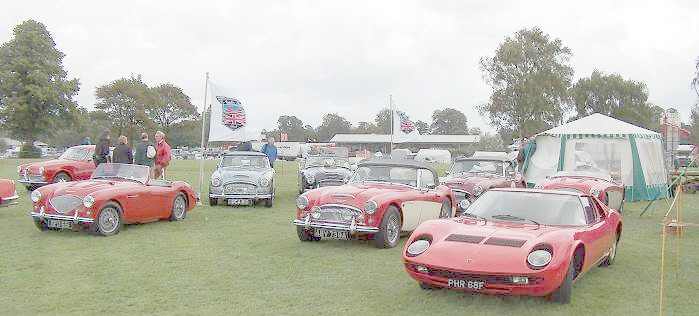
(599, 124)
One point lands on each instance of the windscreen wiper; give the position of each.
(509, 217)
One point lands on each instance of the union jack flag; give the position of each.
(406, 125)
(233, 113)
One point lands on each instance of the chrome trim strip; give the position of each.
(31, 182)
(351, 228)
(460, 191)
(74, 219)
(356, 209)
(240, 196)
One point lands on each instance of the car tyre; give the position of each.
(108, 221)
(61, 177)
(41, 225)
(446, 210)
(179, 208)
(428, 287)
(389, 230)
(213, 201)
(269, 202)
(564, 292)
(612, 253)
(304, 234)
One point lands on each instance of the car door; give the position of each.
(159, 196)
(595, 235)
(413, 203)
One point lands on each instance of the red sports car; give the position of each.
(600, 185)
(8, 193)
(116, 194)
(383, 199)
(469, 177)
(516, 242)
(74, 164)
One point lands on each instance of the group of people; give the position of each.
(156, 155)
(268, 149)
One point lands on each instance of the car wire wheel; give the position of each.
(109, 220)
(393, 228)
(179, 208)
(61, 177)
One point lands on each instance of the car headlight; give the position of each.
(19, 169)
(370, 207)
(36, 196)
(464, 204)
(88, 201)
(477, 190)
(310, 178)
(302, 202)
(539, 258)
(264, 181)
(216, 181)
(418, 247)
(41, 170)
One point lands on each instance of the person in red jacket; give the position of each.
(162, 155)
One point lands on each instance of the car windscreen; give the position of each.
(542, 208)
(390, 174)
(319, 161)
(478, 166)
(121, 171)
(74, 153)
(251, 162)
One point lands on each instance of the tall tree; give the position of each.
(422, 127)
(333, 124)
(612, 95)
(124, 102)
(364, 128)
(169, 105)
(449, 122)
(35, 93)
(694, 129)
(382, 121)
(529, 76)
(695, 80)
(292, 126)
(309, 134)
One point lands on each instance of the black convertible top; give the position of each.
(397, 163)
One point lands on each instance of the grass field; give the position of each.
(249, 261)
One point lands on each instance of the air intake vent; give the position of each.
(465, 238)
(505, 242)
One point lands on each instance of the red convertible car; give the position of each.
(74, 164)
(383, 199)
(469, 177)
(600, 185)
(8, 193)
(117, 194)
(516, 242)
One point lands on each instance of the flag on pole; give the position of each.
(228, 120)
(404, 130)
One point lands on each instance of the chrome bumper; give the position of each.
(241, 196)
(352, 228)
(10, 200)
(30, 182)
(75, 219)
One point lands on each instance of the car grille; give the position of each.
(329, 183)
(465, 238)
(337, 213)
(65, 203)
(240, 188)
(488, 278)
(31, 177)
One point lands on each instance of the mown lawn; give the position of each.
(249, 261)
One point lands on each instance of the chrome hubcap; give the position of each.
(392, 228)
(612, 252)
(446, 210)
(109, 220)
(179, 207)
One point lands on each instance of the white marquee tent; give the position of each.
(631, 154)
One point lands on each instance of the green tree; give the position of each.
(185, 133)
(382, 121)
(449, 122)
(694, 129)
(310, 134)
(529, 76)
(168, 106)
(333, 124)
(422, 127)
(124, 102)
(35, 93)
(364, 128)
(695, 80)
(612, 95)
(292, 126)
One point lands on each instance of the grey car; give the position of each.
(323, 170)
(242, 178)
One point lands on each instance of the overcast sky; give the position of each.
(307, 58)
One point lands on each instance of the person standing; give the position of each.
(101, 154)
(122, 152)
(244, 146)
(162, 155)
(144, 152)
(270, 150)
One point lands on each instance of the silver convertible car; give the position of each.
(242, 178)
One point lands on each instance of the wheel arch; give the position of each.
(579, 250)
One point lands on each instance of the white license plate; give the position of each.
(237, 202)
(53, 223)
(331, 234)
(466, 284)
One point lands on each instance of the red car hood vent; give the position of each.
(465, 238)
(495, 241)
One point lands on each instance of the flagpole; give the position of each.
(203, 141)
(390, 106)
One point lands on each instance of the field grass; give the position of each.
(249, 261)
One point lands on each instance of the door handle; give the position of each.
(131, 196)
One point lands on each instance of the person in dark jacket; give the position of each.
(144, 152)
(244, 146)
(101, 154)
(122, 152)
(270, 150)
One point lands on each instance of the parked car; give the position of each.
(115, 195)
(242, 178)
(383, 199)
(469, 177)
(74, 164)
(516, 242)
(433, 156)
(331, 167)
(8, 192)
(598, 184)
